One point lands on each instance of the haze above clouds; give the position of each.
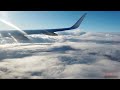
(72, 54)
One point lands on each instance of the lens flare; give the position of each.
(12, 25)
(16, 28)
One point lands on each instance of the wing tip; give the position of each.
(77, 24)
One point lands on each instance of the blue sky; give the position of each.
(95, 21)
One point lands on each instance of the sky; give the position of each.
(95, 21)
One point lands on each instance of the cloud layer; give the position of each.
(70, 55)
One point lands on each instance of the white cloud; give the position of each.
(86, 55)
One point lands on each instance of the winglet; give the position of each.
(77, 24)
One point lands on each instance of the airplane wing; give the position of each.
(18, 36)
(52, 31)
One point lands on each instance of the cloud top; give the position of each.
(70, 55)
